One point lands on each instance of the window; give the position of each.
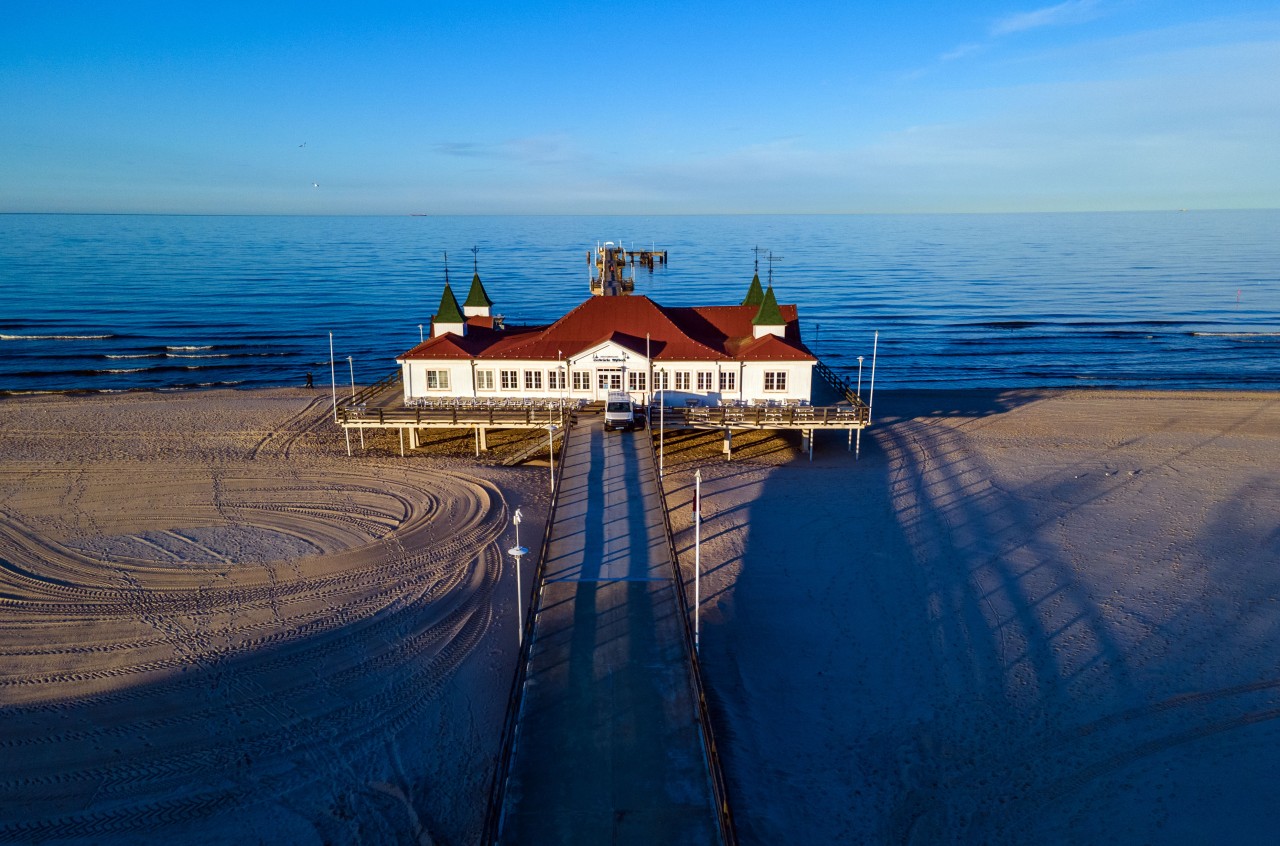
(635, 380)
(682, 380)
(775, 380)
(728, 380)
(704, 380)
(582, 380)
(437, 380)
(610, 380)
(484, 380)
(510, 380)
(555, 380)
(661, 381)
(533, 380)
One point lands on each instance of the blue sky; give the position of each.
(638, 108)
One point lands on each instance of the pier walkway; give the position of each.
(608, 745)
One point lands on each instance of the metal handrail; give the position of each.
(838, 416)
(368, 392)
(493, 818)
(836, 381)
(457, 416)
(723, 813)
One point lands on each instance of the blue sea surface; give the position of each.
(1138, 300)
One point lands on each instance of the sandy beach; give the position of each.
(219, 628)
(1021, 617)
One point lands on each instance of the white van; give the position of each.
(618, 412)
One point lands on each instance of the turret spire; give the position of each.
(769, 319)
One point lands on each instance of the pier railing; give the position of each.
(493, 819)
(715, 770)
(836, 381)
(765, 416)
(369, 392)
(527, 417)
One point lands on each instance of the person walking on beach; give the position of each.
(309, 383)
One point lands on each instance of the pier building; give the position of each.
(720, 367)
(703, 355)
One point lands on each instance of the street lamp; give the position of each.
(333, 378)
(648, 357)
(697, 556)
(561, 376)
(351, 363)
(662, 419)
(551, 451)
(518, 552)
(421, 337)
(859, 377)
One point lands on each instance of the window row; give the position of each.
(608, 380)
(702, 380)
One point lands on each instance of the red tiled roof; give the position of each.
(707, 333)
(480, 338)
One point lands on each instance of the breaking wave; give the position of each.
(55, 337)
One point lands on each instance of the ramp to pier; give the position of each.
(608, 747)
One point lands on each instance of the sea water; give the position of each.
(1140, 300)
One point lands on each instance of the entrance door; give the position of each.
(607, 379)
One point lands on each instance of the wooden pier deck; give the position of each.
(610, 743)
(381, 406)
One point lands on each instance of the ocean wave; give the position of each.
(157, 369)
(54, 337)
(202, 355)
(134, 355)
(1059, 325)
(188, 348)
(1235, 334)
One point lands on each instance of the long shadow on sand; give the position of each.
(909, 653)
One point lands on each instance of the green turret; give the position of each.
(478, 303)
(448, 317)
(769, 313)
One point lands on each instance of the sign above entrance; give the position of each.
(620, 359)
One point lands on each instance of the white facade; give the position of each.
(593, 373)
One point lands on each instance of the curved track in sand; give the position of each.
(182, 640)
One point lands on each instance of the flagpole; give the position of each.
(333, 378)
(648, 394)
(697, 556)
(662, 423)
(871, 397)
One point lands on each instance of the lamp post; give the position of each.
(333, 378)
(697, 556)
(551, 451)
(518, 552)
(859, 377)
(648, 357)
(662, 420)
(352, 365)
(421, 337)
(871, 397)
